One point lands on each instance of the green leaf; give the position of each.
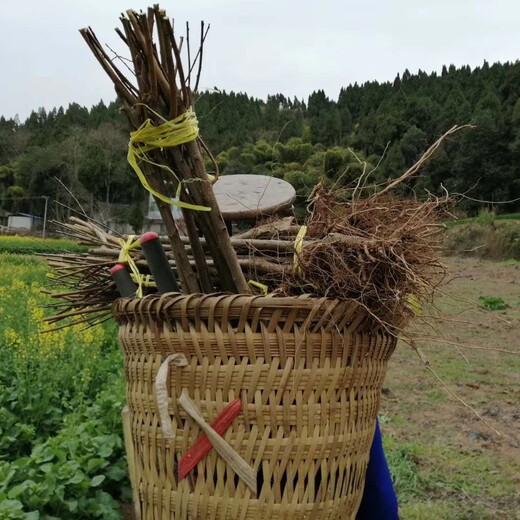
(116, 473)
(105, 451)
(77, 478)
(16, 491)
(10, 505)
(97, 480)
(46, 468)
(5, 479)
(72, 505)
(96, 463)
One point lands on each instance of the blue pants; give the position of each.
(379, 500)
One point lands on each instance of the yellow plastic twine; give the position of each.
(146, 280)
(298, 248)
(125, 258)
(147, 137)
(263, 288)
(414, 304)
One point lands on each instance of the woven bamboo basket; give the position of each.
(308, 373)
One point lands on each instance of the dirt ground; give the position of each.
(449, 464)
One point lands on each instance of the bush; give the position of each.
(499, 240)
(493, 303)
(486, 217)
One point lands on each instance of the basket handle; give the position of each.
(161, 392)
(235, 461)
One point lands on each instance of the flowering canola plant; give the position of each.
(25, 333)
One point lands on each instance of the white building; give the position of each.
(24, 221)
(153, 221)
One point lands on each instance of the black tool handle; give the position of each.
(124, 283)
(158, 263)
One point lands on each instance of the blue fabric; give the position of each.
(379, 500)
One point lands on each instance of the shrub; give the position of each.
(493, 303)
(497, 241)
(486, 217)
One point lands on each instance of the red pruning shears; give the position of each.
(202, 445)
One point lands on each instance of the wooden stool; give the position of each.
(252, 197)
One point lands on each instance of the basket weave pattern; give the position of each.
(309, 374)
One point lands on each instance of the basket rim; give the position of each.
(309, 311)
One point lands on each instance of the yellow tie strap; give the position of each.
(147, 137)
(263, 288)
(414, 304)
(125, 258)
(298, 248)
(146, 280)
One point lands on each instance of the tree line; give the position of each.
(382, 126)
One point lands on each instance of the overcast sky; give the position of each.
(256, 46)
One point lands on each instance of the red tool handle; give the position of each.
(202, 445)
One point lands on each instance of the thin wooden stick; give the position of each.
(156, 72)
(187, 276)
(425, 158)
(201, 47)
(188, 79)
(121, 88)
(427, 364)
(167, 59)
(198, 252)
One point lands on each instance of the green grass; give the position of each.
(493, 303)
(447, 464)
(433, 480)
(406, 475)
(483, 238)
(510, 261)
(509, 216)
(443, 510)
(483, 217)
(31, 245)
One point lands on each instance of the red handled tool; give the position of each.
(202, 445)
(158, 263)
(124, 283)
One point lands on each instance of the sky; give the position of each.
(258, 47)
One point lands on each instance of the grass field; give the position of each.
(485, 216)
(447, 463)
(61, 455)
(31, 245)
(485, 237)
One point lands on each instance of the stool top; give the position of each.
(244, 196)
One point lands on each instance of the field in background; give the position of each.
(485, 217)
(489, 236)
(30, 245)
(448, 464)
(60, 395)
